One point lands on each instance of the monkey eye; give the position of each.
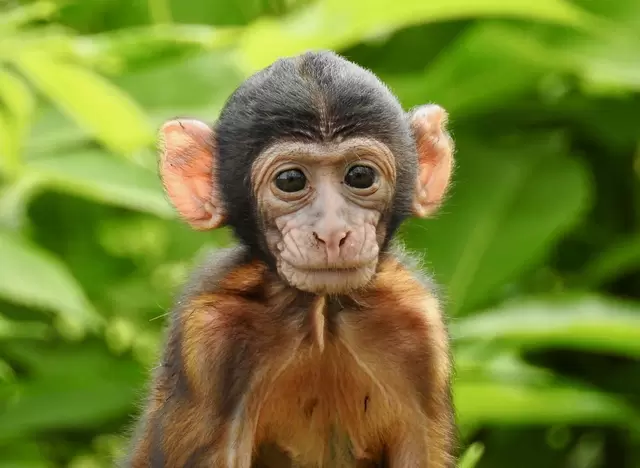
(291, 180)
(360, 177)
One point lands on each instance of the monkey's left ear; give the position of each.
(188, 156)
(435, 157)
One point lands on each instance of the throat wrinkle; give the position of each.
(318, 321)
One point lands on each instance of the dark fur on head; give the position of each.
(315, 97)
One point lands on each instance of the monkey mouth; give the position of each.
(334, 269)
(345, 266)
(334, 279)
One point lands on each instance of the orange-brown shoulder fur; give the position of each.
(352, 381)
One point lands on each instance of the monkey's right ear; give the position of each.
(188, 156)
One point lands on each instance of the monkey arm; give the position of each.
(176, 426)
(197, 387)
(195, 415)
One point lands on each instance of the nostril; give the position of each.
(344, 238)
(317, 237)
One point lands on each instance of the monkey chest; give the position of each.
(332, 407)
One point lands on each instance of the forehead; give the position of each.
(315, 98)
(325, 152)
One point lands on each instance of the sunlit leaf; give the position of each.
(609, 65)
(185, 86)
(194, 86)
(609, 61)
(335, 24)
(22, 16)
(471, 456)
(32, 276)
(16, 97)
(16, 106)
(508, 205)
(96, 176)
(494, 402)
(15, 197)
(9, 157)
(476, 360)
(588, 323)
(97, 106)
(125, 48)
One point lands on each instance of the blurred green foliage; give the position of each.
(538, 248)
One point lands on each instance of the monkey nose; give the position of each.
(332, 241)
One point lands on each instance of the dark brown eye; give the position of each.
(292, 180)
(360, 177)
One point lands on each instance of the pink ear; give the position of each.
(187, 162)
(435, 158)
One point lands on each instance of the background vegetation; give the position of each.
(538, 248)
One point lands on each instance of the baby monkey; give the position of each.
(314, 343)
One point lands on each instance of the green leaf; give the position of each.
(206, 81)
(22, 454)
(496, 386)
(95, 104)
(508, 206)
(619, 258)
(18, 104)
(494, 402)
(502, 60)
(71, 388)
(17, 98)
(19, 17)
(9, 158)
(471, 456)
(14, 199)
(589, 323)
(608, 64)
(12, 329)
(33, 277)
(96, 176)
(133, 47)
(335, 24)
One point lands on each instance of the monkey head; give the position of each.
(314, 164)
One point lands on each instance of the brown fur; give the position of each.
(359, 381)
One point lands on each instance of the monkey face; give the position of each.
(314, 164)
(323, 209)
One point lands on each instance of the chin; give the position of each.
(332, 281)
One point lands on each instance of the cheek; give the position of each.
(293, 238)
(277, 218)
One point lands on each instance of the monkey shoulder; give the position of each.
(210, 271)
(404, 327)
(402, 287)
(207, 318)
(403, 318)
